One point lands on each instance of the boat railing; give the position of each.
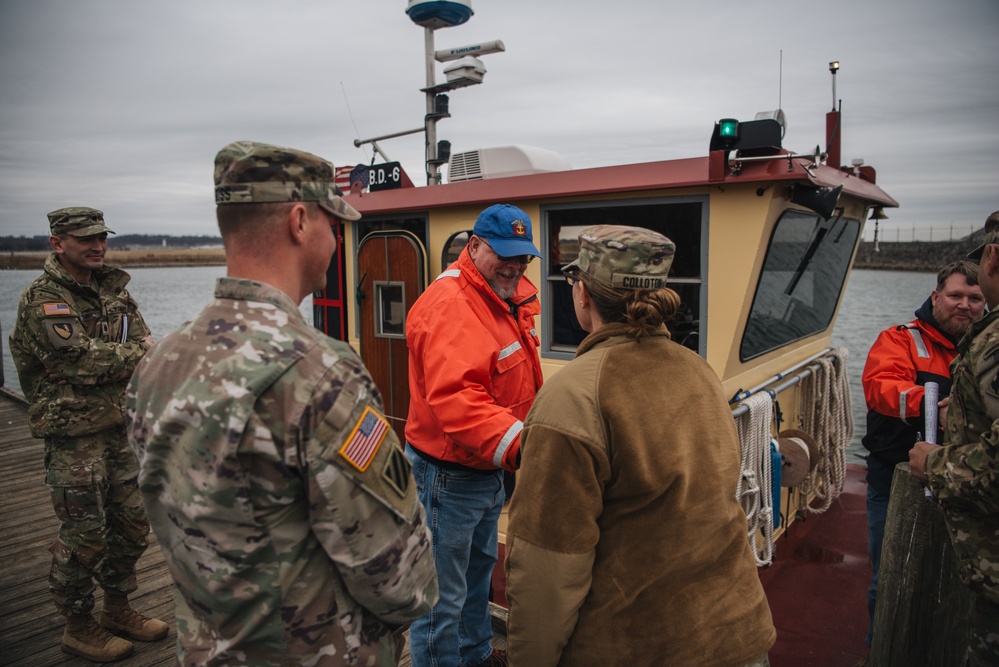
(815, 475)
(785, 379)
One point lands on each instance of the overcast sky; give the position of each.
(122, 104)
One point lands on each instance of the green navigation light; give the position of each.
(728, 127)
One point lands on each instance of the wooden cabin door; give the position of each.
(390, 266)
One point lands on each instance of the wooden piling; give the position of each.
(923, 608)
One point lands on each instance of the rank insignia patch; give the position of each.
(396, 471)
(63, 330)
(365, 439)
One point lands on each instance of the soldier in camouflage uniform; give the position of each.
(77, 340)
(284, 504)
(963, 473)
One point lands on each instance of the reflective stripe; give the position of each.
(917, 338)
(453, 273)
(504, 443)
(921, 352)
(534, 332)
(508, 350)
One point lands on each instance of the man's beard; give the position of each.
(504, 293)
(953, 327)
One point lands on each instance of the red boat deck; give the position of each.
(817, 584)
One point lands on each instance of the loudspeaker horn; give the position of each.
(821, 200)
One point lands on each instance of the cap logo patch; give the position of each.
(63, 330)
(55, 309)
(396, 472)
(519, 228)
(365, 439)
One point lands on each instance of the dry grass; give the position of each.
(127, 258)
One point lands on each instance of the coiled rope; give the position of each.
(827, 415)
(755, 488)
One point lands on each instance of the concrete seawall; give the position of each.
(912, 256)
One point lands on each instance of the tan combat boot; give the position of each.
(85, 638)
(119, 617)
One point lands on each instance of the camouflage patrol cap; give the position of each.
(247, 172)
(624, 257)
(79, 221)
(991, 235)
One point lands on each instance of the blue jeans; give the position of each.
(878, 491)
(463, 510)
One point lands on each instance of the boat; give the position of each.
(765, 238)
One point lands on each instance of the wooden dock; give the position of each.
(30, 627)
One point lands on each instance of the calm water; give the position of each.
(167, 297)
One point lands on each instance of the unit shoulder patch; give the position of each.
(397, 472)
(63, 329)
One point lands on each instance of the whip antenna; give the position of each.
(350, 114)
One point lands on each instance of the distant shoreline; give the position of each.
(914, 256)
(127, 259)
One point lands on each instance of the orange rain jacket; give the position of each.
(901, 361)
(473, 369)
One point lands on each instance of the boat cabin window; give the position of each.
(680, 220)
(801, 281)
(453, 247)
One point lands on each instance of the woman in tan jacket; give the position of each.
(626, 544)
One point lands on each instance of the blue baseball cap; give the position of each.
(507, 229)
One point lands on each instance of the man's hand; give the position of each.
(942, 414)
(147, 341)
(917, 459)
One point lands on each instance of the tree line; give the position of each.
(117, 242)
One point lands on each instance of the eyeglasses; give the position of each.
(519, 259)
(571, 277)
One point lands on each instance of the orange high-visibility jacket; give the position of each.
(473, 369)
(901, 361)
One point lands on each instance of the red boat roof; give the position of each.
(646, 176)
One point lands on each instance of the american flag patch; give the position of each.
(364, 440)
(52, 309)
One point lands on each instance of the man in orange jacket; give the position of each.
(901, 361)
(473, 373)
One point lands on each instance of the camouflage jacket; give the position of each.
(964, 474)
(284, 505)
(74, 348)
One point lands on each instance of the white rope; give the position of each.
(827, 415)
(755, 488)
